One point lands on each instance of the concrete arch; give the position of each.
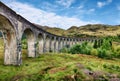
(10, 41)
(31, 42)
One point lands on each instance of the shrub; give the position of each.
(75, 49)
(24, 44)
(106, 45)
(103, 53)
(94, 52)
(84, 48)
(117, 52)
(102, 48)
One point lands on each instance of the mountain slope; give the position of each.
(87, 30)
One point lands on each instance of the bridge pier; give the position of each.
(56, 45)
(47, 44)
(40, 44)
(10, 48)
(31, 49)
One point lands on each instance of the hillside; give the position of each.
(95, 30)
(85, 31)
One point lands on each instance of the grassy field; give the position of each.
(60, 67)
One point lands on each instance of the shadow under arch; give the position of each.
(28, 42)
(52, 44)
(10, 41)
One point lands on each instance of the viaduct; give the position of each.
(13, 26)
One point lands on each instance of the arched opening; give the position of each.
(10, 42)
(56, 44)
(63, 42)
(40, 44)
(68, 43)
(74, 41)
(52, 45)
(59, 44)
(47, 44)
(28, 44)
(71, 42)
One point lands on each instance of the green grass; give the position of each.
(58, 67)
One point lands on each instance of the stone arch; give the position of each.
(40, 43)
(31, 42)
(10, 41)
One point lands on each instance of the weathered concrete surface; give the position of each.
(15, 26)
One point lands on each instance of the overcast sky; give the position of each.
(66, 13)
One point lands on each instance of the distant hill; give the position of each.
(85, 31)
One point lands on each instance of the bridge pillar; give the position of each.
(52, 46)
(47, 44)
(63, 42)
(31, 48)
(77, 41)
(71, 42)
(40, 43)
(59, 44)
(56, 45)
(68, 42)
(55, 39)
(10, 48)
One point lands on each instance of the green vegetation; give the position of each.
(98, 61)
(104, 48)
(62, 67)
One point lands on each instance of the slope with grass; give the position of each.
(57, 67)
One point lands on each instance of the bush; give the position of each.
(117, 52)
(84, 48)
(24, 44)
(106, 44)
(76, 49)
(102, 48)
(103, 53)
(94, 52)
